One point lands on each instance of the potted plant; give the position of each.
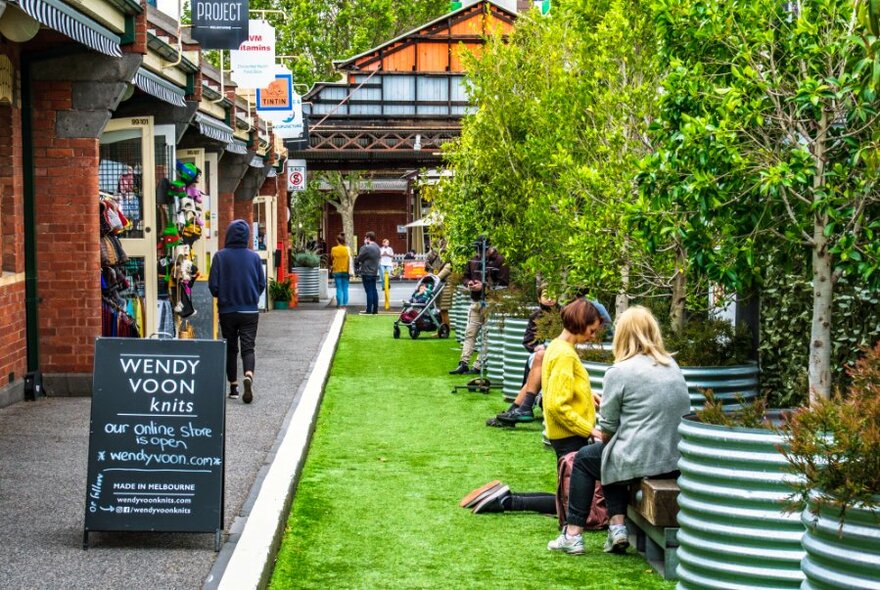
(281, 292)
(833, 447)
(306, 266)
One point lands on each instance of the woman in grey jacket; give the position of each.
(644, 396)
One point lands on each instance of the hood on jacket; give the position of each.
(237, 234)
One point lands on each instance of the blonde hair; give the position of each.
(637, 332)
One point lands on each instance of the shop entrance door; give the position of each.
(127, 174)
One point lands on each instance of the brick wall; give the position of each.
(66, 185)
(225, 215)
(140, 35)
(13, 345)
(245, 210)
(377, 212)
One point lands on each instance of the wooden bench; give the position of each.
(652, 518)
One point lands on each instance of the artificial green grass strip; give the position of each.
(393, 453)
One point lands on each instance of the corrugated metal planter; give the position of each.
(846, 558)
(515, 356)
(308, 282)
(458, 313)
(495, 350)
(725, 382)
(733, 532)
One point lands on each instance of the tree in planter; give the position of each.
(306, 209)
(768, 135)
(545, 164)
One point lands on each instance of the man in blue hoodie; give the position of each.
(237, 280)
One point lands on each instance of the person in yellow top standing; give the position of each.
(340, 261)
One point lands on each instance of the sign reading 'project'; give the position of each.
(156, 443)
(220, 24)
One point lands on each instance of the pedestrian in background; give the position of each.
(386, 260)
(340, 263)
(237, 280)
(368, 259)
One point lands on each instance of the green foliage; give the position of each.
(280, 290)
(511, 302)
(306, 259)
(316, 32)
(709, 343)
(752, 413)
(375, 456)
(767, 137)
(306, 210)
(545, 163)
(834, 445)
(786, 299)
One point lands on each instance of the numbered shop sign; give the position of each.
(156, 442)
(296, 175)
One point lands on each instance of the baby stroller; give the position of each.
(421, 313)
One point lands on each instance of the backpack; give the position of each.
(598, 518)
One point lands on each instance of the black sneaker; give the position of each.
(461, 369)
(474, 371)
(248, 396)
(516, 415)
(233, 393)
(493, 502)
(496, 423)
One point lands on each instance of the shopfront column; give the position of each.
(232, 169)
(72, 101)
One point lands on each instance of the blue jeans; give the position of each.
(341, 279)
(385, 269)
(372, 294)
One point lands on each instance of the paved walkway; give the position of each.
(43, 449)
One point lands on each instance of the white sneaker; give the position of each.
(573, 545)
(617, 540)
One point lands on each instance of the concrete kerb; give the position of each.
(253, 556)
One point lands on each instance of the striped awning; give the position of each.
(62, 18)
(237, 147)
(159, 87)
(257, 162)
(213, 128)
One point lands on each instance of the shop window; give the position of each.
(120, 175)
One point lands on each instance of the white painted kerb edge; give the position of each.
(254, 548)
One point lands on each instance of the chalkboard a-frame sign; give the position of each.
(157, 437)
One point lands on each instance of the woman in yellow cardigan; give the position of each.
(569, 407)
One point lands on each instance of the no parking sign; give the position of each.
(296, 175)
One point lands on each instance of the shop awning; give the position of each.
(214, 128)
(159, 87)
(237, 147)
(257, 162)
(62, 18)
(272, 173)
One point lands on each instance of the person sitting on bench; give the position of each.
(644, 397)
